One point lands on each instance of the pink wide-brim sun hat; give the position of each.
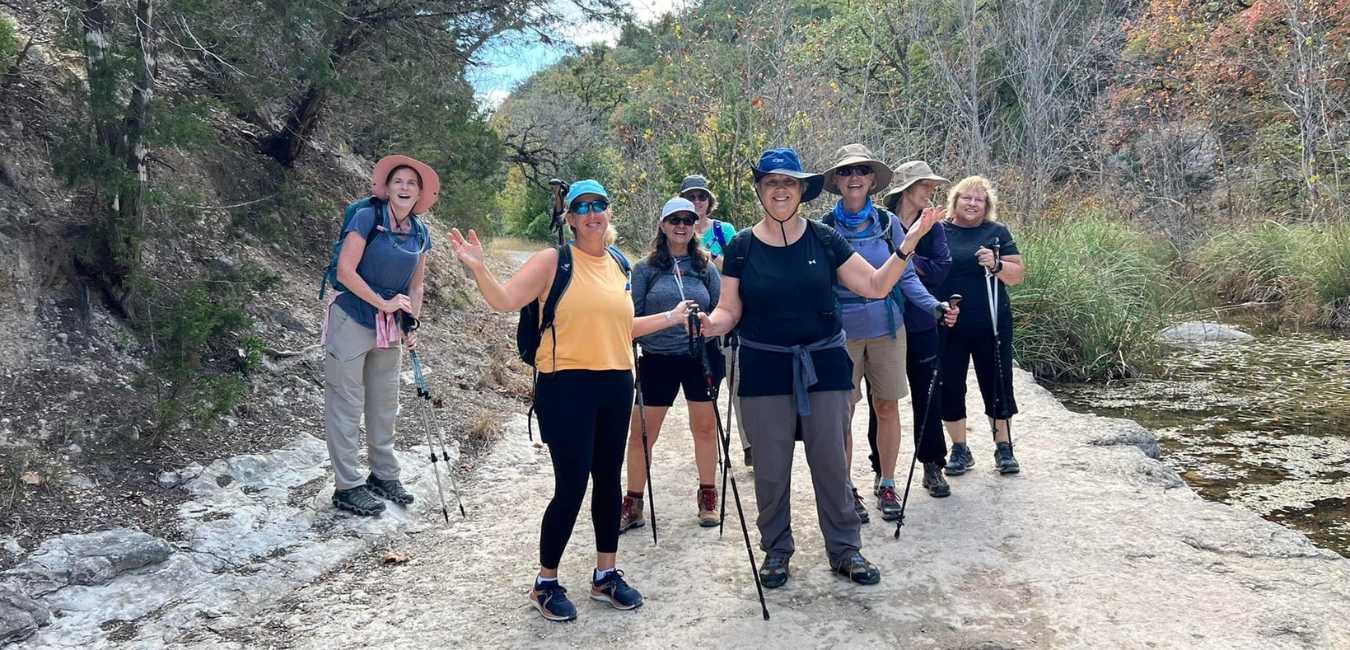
(431, 183)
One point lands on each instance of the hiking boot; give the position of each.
(707, 507)
(613, 590)
(859, 508)
(391, 490)
(551, 600)
(858, 569)
(630, 516)
(960, 461)
(358, 500)
(933, 481)
(888, 504)
(749, 460)
(1003, 459)
(773, 573)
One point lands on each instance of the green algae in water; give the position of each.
(1264, 425)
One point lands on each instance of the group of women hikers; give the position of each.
(803, 309)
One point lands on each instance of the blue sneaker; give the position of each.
(551, 600)
(613, 590)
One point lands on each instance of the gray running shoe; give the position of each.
(1003, 459)
(960, 460)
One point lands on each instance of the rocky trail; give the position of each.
(1095, 544)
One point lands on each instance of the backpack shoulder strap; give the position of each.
(719, 235)
(822, 233)
(562, 276)
(888, 232)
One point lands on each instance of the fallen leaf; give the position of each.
(394, 557)
(31, 478)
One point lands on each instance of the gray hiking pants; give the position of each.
(733, 385)
(359, 378)
(772, 424)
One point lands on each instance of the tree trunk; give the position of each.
(286, 144)
(113, 253)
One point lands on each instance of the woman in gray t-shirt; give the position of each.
(677, 269)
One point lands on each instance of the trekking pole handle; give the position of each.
(408, 323)
(951, 303)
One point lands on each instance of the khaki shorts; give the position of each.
(882, 361)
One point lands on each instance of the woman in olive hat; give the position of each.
(778, 289)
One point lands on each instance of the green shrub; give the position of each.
(202, 351)
(9, 44)
(1303, 270)
(1095, 295)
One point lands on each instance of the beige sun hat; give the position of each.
(907, 174)
(857, 154)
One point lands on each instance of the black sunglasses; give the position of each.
(861, 170)
(677, 220)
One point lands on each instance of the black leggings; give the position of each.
(583, 418)
(921, 349)
(961, 346)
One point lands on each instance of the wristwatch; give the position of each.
(901, 254)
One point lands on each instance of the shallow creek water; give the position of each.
(1263, 424)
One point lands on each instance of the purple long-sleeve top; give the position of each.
(931, 260)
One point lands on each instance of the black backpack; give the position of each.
(535, 318)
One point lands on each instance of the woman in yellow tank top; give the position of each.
(585, 393)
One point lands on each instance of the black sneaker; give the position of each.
(933, 481)
(358, 500)
(391, 490)
(1003, 459)
(773, 573)
(551, 600)
(858, 569)
(960, 460)
(749, 459)
(859, 508)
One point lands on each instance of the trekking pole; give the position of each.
(409, 324)
(991, 288)
(559, 188)
(642, 423)
(696, 334)
(724, 441)
(924, 429)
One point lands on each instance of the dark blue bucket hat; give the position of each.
(785, 161)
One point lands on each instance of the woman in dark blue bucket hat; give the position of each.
(778, 292)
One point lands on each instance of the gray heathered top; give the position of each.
(656, 291)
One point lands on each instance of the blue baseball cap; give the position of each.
(588, 186)
(785, 161)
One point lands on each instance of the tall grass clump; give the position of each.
(1301, 270)
(1095, 296)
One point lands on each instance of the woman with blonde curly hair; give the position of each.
(985, 261)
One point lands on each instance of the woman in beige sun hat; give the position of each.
(876, 336)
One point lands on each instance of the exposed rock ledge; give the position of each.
(1095, 545)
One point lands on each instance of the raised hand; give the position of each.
(469, 251)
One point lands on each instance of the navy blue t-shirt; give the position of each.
(966, 276)
(387, 264)
(787, 298)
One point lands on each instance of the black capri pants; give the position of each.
(921, 357)
(662, 376)
(962, 344)
(583, 418)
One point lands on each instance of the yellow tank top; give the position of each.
(594, 320)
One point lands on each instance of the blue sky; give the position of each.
(508, 60)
